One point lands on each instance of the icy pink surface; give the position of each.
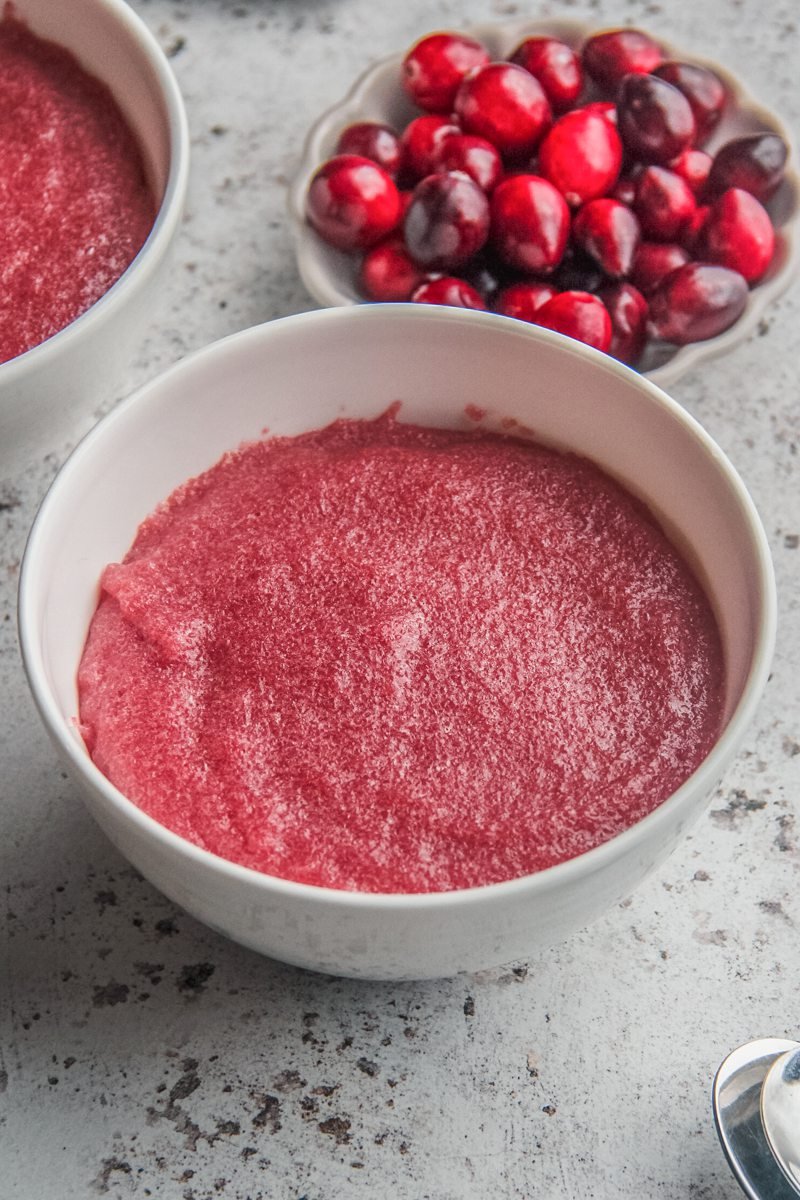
(388, 658)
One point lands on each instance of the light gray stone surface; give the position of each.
(142, 1055)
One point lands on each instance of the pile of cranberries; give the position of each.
(565, 188)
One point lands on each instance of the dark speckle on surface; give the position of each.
(337, 1128)
(109, 994)
(193, 977)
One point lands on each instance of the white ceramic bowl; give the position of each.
(46, 393)
(300, 373)
(330, 275)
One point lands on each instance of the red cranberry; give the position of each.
(655, 119)
(529, 223)
(754, 163)
(664, 204)
(604, 108)
(372, 140)
(505, 104)
(352, 203)
(581, 156)
(419, 143)
(692, 235)
(447, 221)
(521, 300)
(471, 154)
(652, 263)
(447, 289)
(738, 234)
(609, 232)
(696, 302)
(579, 315)
(628, 311)
(435, 65)
(704, 90)
(556, 66)
(388, 272)
(693, 167)
(609, 56)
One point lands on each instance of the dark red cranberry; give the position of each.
(529, 223)
(754, 163)
(447, 289)
(556, 66)
(738, 234)
(372, 140)
(521, 300)
(446, 222)
(655, 119)
(505, 104)
(624, 190)
(704, 90)
(693, 166)
(419, 142)
(664, 204)
(579, 315)
(471, 154)
(628, 311)
(652, 263)
(352, 202)
(388, 272)
(609, 232)
(609, 56)
(435, 65)
(696, 302)
(581, 156)
(692, 236)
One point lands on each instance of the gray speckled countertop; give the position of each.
(141, 1054)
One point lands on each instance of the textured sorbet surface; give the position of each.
(74, 205)
(391, 658)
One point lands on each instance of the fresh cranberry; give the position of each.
(664, 204)
(738, 234)
(655, 119)
(609, 56)
(692, 236)
(609, 232)
(579, 315)
(419, 142)
(447, 221)
(447, 289)
(693, 166)
(556, 66)
(388, 272)
(505, 104)
(521, 300)
(624, 190)
(696, 302)
(372, 140)
(604, 108)
(628, 311)
(652, 263)
(352, 202)
(754, 163)
(704, 90)
(471, 154)
(435, 65)
(529, 223)
(581, 156)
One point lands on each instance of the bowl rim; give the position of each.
(33, 575)
(167, 216)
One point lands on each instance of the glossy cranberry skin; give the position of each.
(419, 142)
(655, 119)
(388, 272)
(581, 156)
(521, 300)
(704, 90)
(371, 139)
(738, 234)
(754, 163)
(447, 289)
(696, 302)
(628, 311)
(435, 66)
(446, 222)
(529, 224)
(506, 105)
(471, 154)
(652, 263)
(664, 204)
(693, 166)
(579, 315)
(556, 66)
(352, 203)
(609, 56)
(609, 232)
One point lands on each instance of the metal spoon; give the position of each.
(737, 1111)
(780, 1113)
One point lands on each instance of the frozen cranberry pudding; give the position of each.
(388, 658)
(74, 202)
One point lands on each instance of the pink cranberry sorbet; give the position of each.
(389, 658)
(74, 205)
